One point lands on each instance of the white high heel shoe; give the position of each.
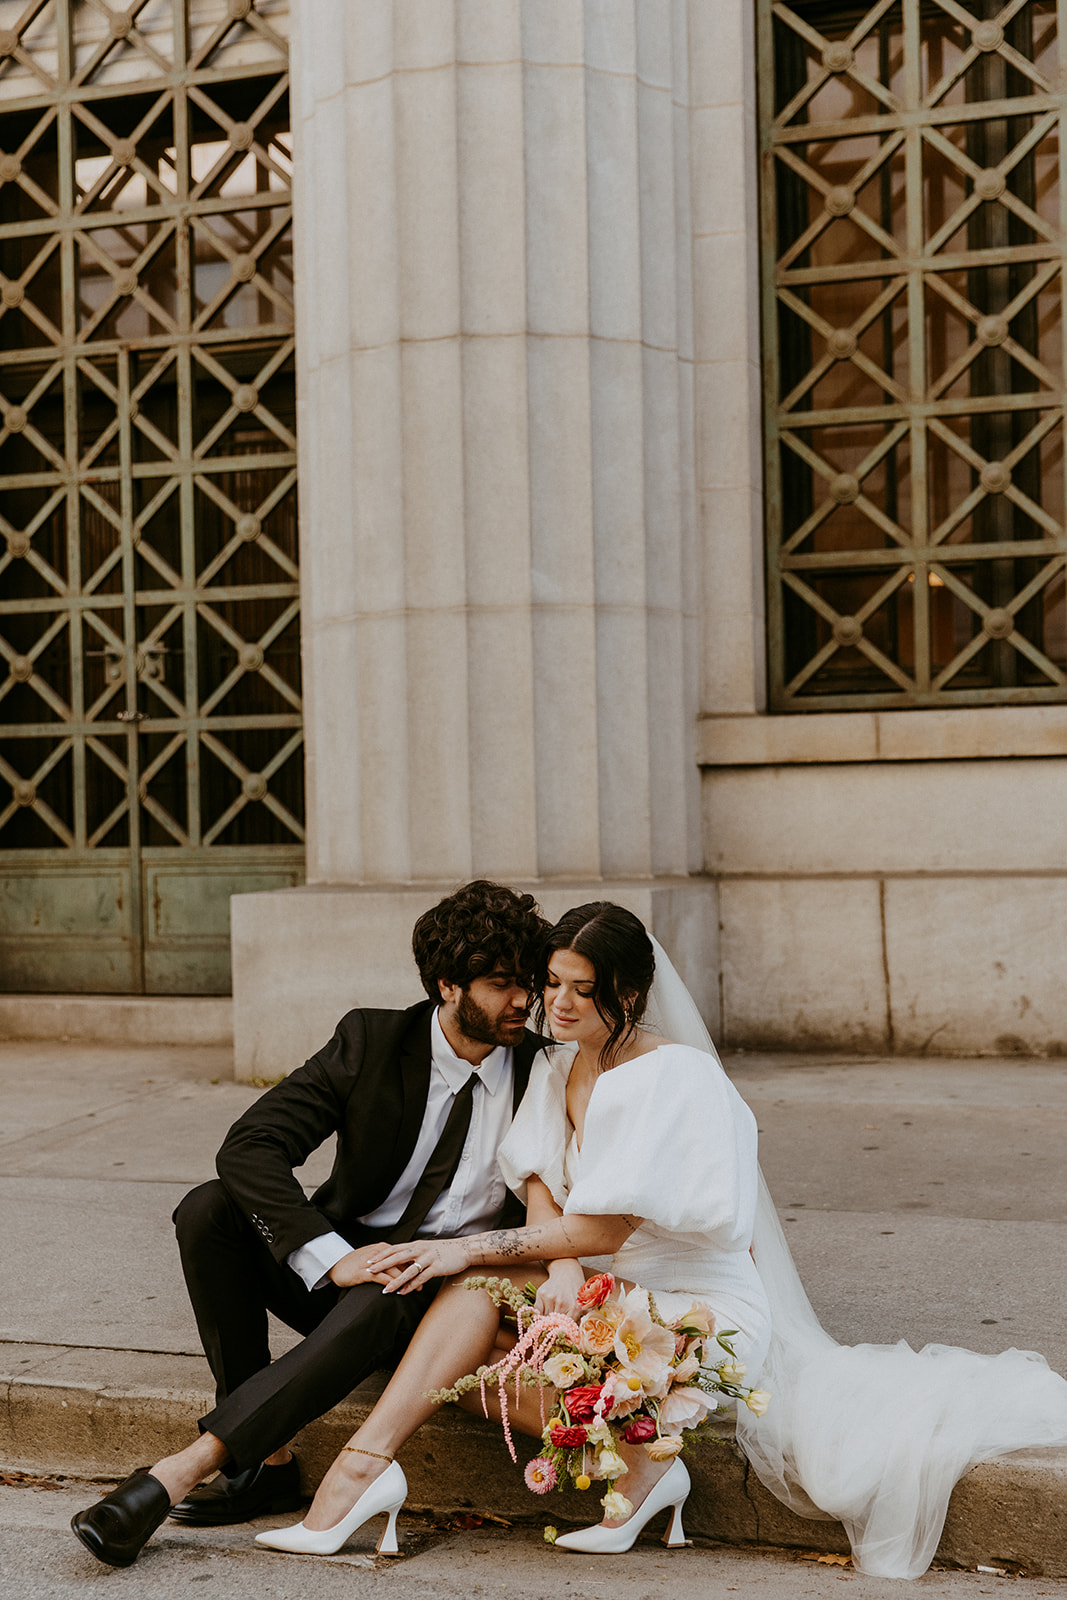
(670, 1490)
(385, 1496)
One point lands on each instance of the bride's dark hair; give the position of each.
(618, 949)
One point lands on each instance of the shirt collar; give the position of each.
(455, 1071)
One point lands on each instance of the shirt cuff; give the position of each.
(313, 1261)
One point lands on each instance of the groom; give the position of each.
(419, 1101)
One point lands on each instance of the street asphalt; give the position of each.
(39, 1560)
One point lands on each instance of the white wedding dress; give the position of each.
(875, 1436)
(667, 1138)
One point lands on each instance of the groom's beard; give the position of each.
(476, 1024)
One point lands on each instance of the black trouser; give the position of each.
(233, 1281)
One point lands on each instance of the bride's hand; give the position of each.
(418, 1263)
(559, 1291)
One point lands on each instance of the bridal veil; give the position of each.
(875, 1436)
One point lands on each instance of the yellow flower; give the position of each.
(611, 1464)
(564, 1370)
(758, 1401)
(663, 1449)
(616, 1506)
(582, 1481)
(732, 1371)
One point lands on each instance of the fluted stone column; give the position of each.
(500, 584)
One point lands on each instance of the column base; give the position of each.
(303, 957)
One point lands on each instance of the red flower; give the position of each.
(640, 1429)
(580, 1401)
(568, 1438)
(595, 1290)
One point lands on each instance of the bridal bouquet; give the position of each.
(621, 1374)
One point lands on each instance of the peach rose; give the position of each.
(698, 1319)
(595, 1290)
(598, 1332)
(663, 1449)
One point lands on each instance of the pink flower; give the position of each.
(540, 1475)
(639, 1430)
(620, 1397)
(595, 1290)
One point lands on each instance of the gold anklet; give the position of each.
(359, 1451)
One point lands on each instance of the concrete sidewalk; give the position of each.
(924, 1200)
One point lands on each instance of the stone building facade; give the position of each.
(538, 364)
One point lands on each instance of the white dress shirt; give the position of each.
(477, 1191)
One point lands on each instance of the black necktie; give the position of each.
(441, 1167)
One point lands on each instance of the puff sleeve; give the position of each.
(668, 1138)
(536, 1142)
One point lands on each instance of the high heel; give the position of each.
(385, 1495)
(670, 1490)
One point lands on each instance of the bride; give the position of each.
(632, 1144)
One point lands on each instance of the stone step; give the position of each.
(118, 1019)
(95, 1413)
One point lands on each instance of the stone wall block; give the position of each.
(375, 474)
(553, 32)
(722, 52)
(428, 203)
(496, 464)
(333, 754)
(382, 691)
(565, 733)
(371, 244)
(438, 757)
(561, 495)
(802, 965)
(893, 817)
(976, 965)
(489, 30)
(664, 554)
(614, 219)
(721, 328)
(492, 199)
(683, 254)
(424, 35)
(557, 221)
(362, 36)
(727, 408)
(610, 43)
(623, 745)
(663, 234)
(503, 751)
(434, 548)
(655, 42)
(721, 203)
(618, 464)
(670, 746)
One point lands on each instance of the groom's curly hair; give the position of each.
(483, 927)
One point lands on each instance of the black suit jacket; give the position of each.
(369, 1086)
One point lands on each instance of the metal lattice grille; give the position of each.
(149, 648)
(913, 328)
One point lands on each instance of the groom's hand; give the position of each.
(355, 1268)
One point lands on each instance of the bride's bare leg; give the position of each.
(457, 1334)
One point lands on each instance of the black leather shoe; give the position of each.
(248, 1494)
(124, 1520)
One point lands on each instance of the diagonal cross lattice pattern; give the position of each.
(149, 643)
(913, 293)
